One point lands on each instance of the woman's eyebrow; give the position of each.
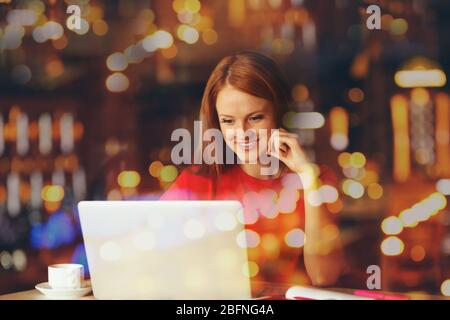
(258, 111)
(262, 110)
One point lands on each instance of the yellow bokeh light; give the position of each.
(117, 62)
(420, 78)
(398, 26)
(356, 190)
(163, 39)
(346, 185)
(445, 288)
(168, 173)
(192, 6)
(204, 22)
(328, 194)
(117, 82)
(370, 176)
(353, 188)
(178, 5)
(375, 191)
(357, 160)
(128, 179)
(339, 125)
(188, 34)
(392, 226)
(438, 201)
(155, 168)
(423, 210)
(52, 193)
(408, 219)
(392, 246)
(344, 159)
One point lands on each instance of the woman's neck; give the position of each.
(254, 170)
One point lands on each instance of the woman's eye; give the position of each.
(227, 121)
(257, 117)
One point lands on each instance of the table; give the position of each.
(35, 295)
(271, 290)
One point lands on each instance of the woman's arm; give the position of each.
(323, 254)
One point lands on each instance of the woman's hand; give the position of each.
(286, 147)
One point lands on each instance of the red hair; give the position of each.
(252, 73)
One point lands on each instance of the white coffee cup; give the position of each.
(65, 276)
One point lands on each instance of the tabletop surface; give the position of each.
(276, 290)
(36, 295)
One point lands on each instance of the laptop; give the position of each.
(165, 249)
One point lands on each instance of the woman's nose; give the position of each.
(240, 126)
(245, 131)
(246, 127)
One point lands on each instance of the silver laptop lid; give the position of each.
(165, 249)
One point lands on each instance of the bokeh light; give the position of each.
(168, 173)
(295, 238)
(128, 179)
(392, 246)
(52, 193)
(417, 253)
(117, 82)
(445, 288)
(392, 226)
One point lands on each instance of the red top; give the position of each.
(274, 214)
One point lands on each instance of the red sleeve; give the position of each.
(189, 186)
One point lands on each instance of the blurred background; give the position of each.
(87, 114)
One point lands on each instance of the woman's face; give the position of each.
(239, 113)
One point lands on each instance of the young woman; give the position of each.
(247, 93)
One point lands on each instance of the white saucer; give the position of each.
(45, 289)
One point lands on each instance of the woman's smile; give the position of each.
(248, 145)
